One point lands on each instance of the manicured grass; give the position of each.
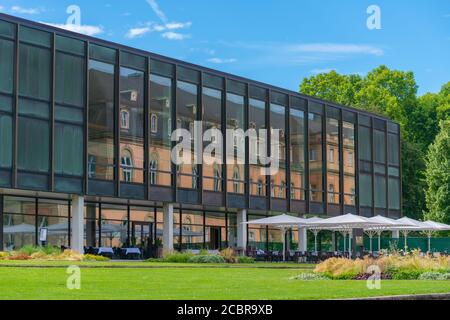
(191, 283)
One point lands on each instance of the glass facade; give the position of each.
(212, 126)
(98, 121)
(257, 121)
(101, 146)
(160, 164)
(315, 132)
(236, 155)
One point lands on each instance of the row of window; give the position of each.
(322, 164)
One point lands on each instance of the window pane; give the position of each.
(5, 141)
(380, 146)
(365, 190)
(380, 192)
(278, 122)
(186, 115)
(236, 157)
(35, 36)
(68, 150)
(34, 108)
(349, 162)
(68, 114)
(7, 29)
(102, 53)
(6, 66)
(160, 139)
(132, 125)
(365, 144)
(394, 194)
(212, 119)
(13, 240)
(101, 119)
(70, 45)
(257, 121)
(35, 72)
(393, 149)
(333, 161)
(33, 153)
(315, 157)
(69, 79)
(297, 140)
(6, 103)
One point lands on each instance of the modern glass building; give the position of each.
(85, 149)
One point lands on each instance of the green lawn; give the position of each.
(192, 283)
(143, 264)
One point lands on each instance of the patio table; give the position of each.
(105, 250)
(132, 251)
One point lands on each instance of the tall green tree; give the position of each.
(438, 176)
(391, 93)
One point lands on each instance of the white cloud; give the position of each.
(175, 36)
(84, 29)
(336, 48)
(137, 32)
(155, 7)
(178, 25)
(156, 27)
(221, 61)
(21, 10)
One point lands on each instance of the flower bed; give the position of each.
(397, 267)
(47, 254)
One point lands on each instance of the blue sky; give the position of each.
(274, 41)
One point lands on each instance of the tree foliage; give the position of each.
(438, 176)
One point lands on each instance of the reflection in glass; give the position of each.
(235, 160)
(212, 119)
(160, 164)
(297, 141)
(315, 157)
(349, 162)
(278, 122)
(132, 125)
(333, 161)
(186, 116)
(257, 121)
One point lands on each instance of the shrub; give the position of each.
(309, 276)
(177, 257)
(92, 257)
(4, 255)
(229, 255)
(207, 259)
(402, 274)
(29, 250)
(435, 276)
(395, 266)
(245, 259)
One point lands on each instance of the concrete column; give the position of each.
(77, 224)
(303, 240)
(168, 227)
(396, 234)
(242, 230)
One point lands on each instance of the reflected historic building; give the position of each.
(85, 118)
